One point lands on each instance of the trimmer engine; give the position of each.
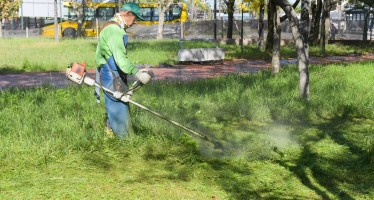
(77, 73)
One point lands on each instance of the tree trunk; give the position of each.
(55, 21)
(230, 13)
(325, 26)
(276, 42)
(316, 8)
(366, 24)
(283, 18)
(1, 28)
(303, 60)
(161, 20)
(80, 14)
(261, 26)
(325, 31)
(305, 6)
(305, 24)
(272, 12)
(192, 10)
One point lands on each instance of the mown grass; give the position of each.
(38, 54)
(276, 146)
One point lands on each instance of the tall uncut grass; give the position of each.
(54, 143)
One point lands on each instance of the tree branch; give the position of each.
(283, 18)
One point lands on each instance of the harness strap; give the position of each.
(109, 23)
(117, 77)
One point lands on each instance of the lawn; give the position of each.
(38, 54)
(54, 143)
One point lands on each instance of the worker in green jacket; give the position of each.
(114, 66)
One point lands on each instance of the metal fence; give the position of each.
(346, 30)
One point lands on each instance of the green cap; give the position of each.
(134, 8)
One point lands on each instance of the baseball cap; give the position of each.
(134, 8)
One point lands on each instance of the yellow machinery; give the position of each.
(96, 14)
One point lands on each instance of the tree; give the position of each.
(55, 20)
(199, 5)
(300, 41)
(8, 10)
(162, 7)
(79, 9)
(316, 8)
(261, 25)
(274, 36)
(230, 8)
(260, 6)
(325, 26)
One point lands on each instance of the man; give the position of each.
(333, 31)
(115, 65)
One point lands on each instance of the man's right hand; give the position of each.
(143, 76)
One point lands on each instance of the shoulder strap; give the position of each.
(108, 23)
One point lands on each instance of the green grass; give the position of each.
(54, 145)
(35, 55)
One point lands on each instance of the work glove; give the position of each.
(123, 97)
(143, 76)
(117, 95)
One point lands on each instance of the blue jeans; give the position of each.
(117, 111)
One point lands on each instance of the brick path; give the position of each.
(173, 72)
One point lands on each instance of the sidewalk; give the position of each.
(173, 72)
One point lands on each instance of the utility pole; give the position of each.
(61, 16)
(215, 20)
(242, 28)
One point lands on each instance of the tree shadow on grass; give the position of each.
(324, 174)
(5, 69)
(335, 175)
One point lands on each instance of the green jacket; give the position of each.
(111, 43)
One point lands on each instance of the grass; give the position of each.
(40, 54)
(54, 144)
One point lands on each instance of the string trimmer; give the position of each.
(77, 73)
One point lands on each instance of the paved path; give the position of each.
(172, 72)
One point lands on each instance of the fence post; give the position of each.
(27, 32)
(97, 29)
(182, 31)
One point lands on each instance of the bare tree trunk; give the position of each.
(366, 24)
(80, 14)
(192, 10)
(316, 8)
(161, 20)
(284, 17)
(230, 21)
(55, 21)
(1, 28)
(276, 42)
(272, 12)
(305, 24)
(119, 4)
(303, 59)
(325, 26)
(261, 26)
